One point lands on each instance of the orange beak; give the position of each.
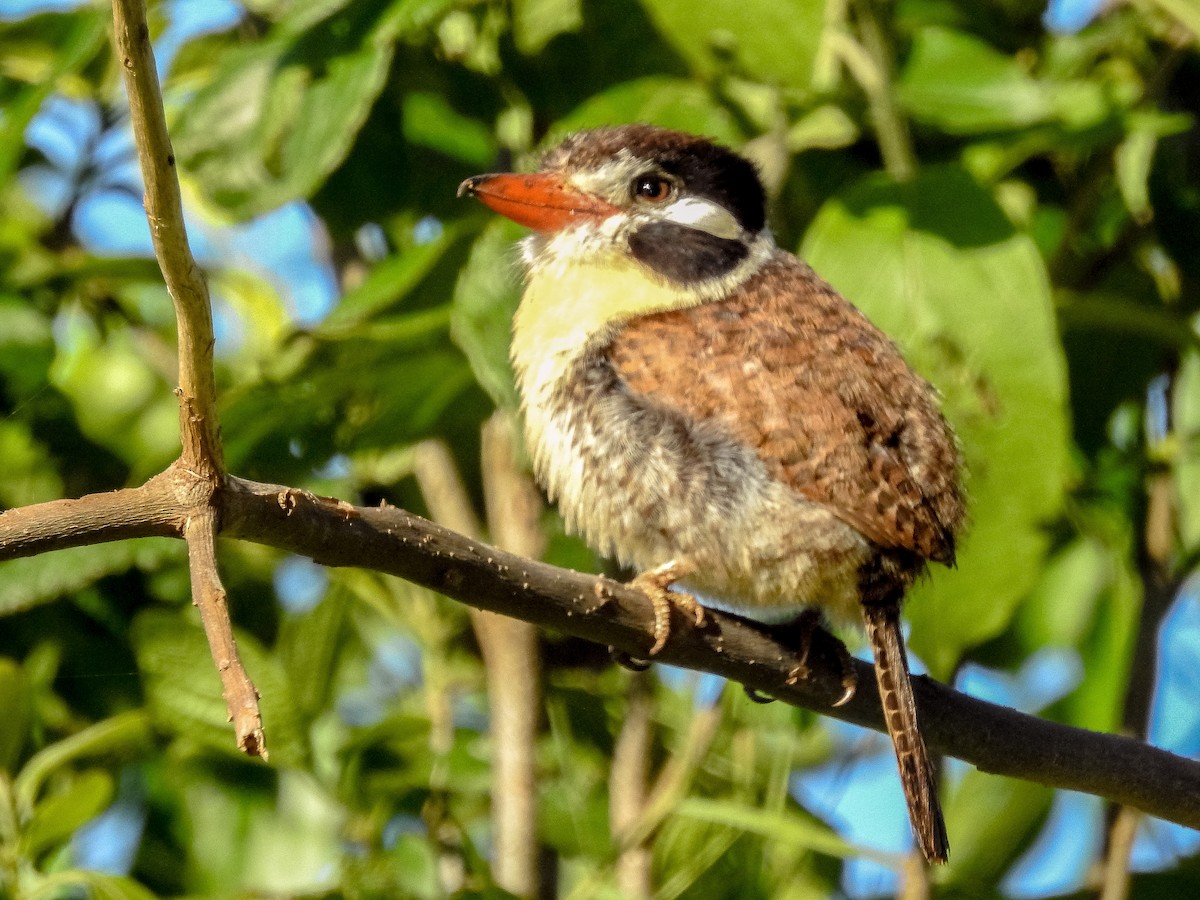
(541, 202)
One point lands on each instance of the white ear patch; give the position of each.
(703, 215)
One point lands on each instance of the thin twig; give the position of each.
(675, 778)
(628, 786)
(443, 490)
(241, 697)
(198, 422)
(891, 128)
(513, 660)
(446, 498)
(914, 884)
(509, 647)
(1120, 846)
(1161, 583)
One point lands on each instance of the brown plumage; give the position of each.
(826, 401)
(695, 396)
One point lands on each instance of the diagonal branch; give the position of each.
(993, 738)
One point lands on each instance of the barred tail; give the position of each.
(900, 713)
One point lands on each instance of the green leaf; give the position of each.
(429, 121)
(536, 22)
(282, 834)
(1135, 158)
(1059, 610)
(255, 301)
(14, 712)
(58, 816)
(991, 820)
(20, 325)
(412, 18)
(827, 127)
(121, 735)
(777, 826)
(122, 401)
(308, 650)
(772, 40)
(44, 49)
(485, 298)
(1125, 318)
(33, 580)
(98, 885)
(184, 690)
(27, 476)
(1107, 651)
(937, 266)
(26, 345)
(390, 282)
(670, 102)
(284, 113)
(1186, 12)
(962, 85)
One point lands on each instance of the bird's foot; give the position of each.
(655, 585)
(803, 630)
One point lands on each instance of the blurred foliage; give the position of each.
(1018, 209)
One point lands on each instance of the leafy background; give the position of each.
(1012, 192)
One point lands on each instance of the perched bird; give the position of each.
(704, 408)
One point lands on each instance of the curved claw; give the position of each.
(802, 632)
(625, 661)
(757, 696)
(849, 689)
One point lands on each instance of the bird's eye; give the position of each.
(651, 188)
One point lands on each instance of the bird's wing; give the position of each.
(790, 368)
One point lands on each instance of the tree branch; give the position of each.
(241, 697)
(199, 427)
(993, 738)
(153, 510)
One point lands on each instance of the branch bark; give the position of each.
(993, 738)
(241, 697)
(198, 423)
(199, 428)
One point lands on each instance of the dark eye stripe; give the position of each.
(685, 255)
(723, 177)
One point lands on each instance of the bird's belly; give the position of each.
(644, 486)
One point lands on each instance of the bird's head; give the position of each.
(688, 211)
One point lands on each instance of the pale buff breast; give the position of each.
(643, 486)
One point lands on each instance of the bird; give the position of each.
(707, 410)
